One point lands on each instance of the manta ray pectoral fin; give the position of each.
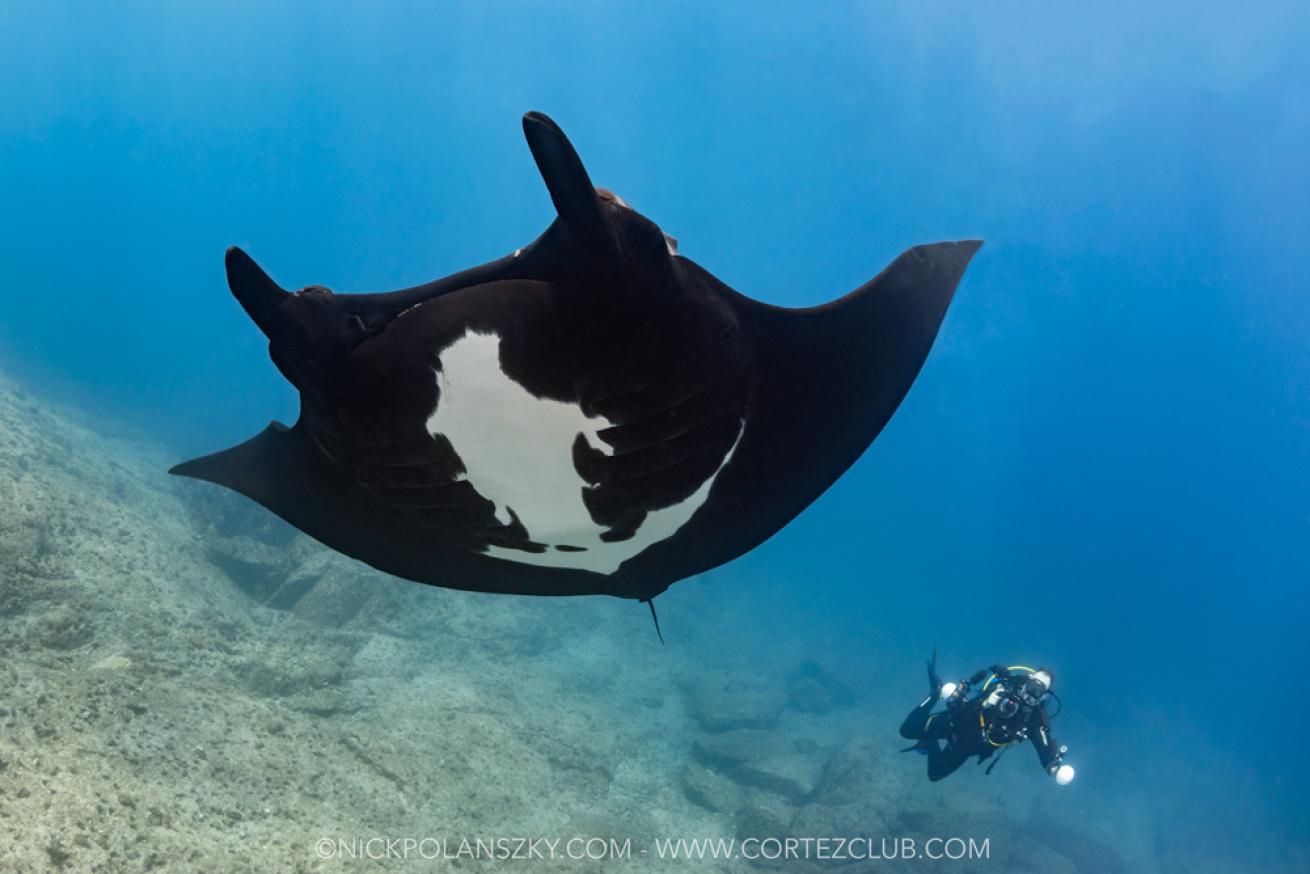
(257, 468)
(283, 470)
(861, 353)
(873, 342)
(575, 198)
(828, 379)
(255, 290)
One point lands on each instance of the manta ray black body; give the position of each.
(592, 414)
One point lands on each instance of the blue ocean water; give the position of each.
(1105, 464)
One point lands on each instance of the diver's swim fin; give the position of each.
(934, 680)
(923, 746)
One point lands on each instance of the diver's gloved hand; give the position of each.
(1062, 773)
(953, 692)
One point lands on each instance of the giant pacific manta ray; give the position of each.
(591, 414)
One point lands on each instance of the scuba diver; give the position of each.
(1009, 708)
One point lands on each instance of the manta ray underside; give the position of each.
(591, 414)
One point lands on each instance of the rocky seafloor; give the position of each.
(188, 684)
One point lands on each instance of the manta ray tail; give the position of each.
(650, 602)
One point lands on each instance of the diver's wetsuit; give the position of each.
(970, 729)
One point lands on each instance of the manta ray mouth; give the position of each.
(365, 326)
(670, 242)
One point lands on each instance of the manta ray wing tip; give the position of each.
(235, 256)
(532, 117)
(191, 468)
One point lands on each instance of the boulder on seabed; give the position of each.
(863, 768)
(861, 820)
(728, 749)
(709, 789)
(329, 589)
(724, 704)
(1028, 856)
(812, 689)
(1088, 851)
(764, 759)
(764, 818)
(255, 567)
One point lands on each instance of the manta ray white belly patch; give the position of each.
(517, 451)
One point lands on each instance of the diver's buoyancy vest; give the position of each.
(999, 730)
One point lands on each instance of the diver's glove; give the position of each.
(1062, 773)
(953, 692)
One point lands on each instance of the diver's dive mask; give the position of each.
(1035, 687)
(1031, 693)
(1022, 694)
